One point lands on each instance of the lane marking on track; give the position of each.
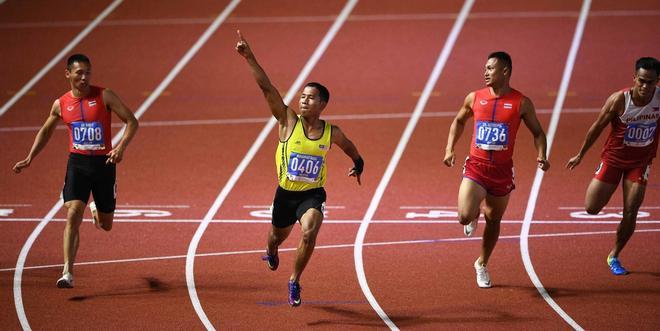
(410, 127)
(536, 186)
(252, 120)
(55, 60)
(265, 132)
(385, 243)
(143, 108)
(330, 18)
(325, 221)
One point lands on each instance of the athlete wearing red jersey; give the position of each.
(488, 172)
(86, 110)
(634, 115)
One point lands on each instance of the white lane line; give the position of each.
(265, 132)
(266, 119)
(143, 108)
(410, 127)
(385, 243)
(536, 186)
(325, 221)
(73, 43)
(20, 264)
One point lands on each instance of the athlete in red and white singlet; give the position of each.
(634, 115)
(488, 172)
(633, 140)
(496, 122)
(86, 110)
(88, 122)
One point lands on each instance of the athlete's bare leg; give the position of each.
(104, 219)
(598, 195)
(494, 209)
(74, 217)
(470, 196)
(310, 225)
(633, 196)
(276, 237)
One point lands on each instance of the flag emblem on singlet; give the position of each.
(508, 106)
(92, 103)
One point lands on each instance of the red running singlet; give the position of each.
(496, 122)
(88, 122)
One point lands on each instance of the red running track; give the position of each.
(196, 133)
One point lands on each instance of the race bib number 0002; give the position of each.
(304, 168)
(87, 136)
(492, 136)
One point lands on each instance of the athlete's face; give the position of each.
(79, 75)
(645, 82)
(310, 102)
(495, 72)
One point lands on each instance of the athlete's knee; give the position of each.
(629, 215)
(106, 220)
(592, 210)
(309, 237)
(465, 217)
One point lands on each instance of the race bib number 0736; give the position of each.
(492, 136)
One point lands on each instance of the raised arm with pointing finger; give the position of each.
(285, 116)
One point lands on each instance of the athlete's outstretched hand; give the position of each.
(543, 164)
(242, 46)
(574, 161)
(450, 158)
(20, 165)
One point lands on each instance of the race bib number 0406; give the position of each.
(304, 168)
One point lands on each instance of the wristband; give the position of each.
(359, 166)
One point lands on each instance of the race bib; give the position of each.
(492, 136)
(304, 168)
(87, 136)
(639, 134)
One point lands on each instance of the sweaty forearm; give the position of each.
(259, 74)
(40, 141)
(455, 132)
(541, 145)
(131, 130)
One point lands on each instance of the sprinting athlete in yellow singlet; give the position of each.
(300, 160)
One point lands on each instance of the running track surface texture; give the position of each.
(197, 181)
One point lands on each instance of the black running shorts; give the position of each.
(87, 173)
(289, 206)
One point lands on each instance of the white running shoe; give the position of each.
(66, 281)
(483, 277)
(95, 217)
(471, 228)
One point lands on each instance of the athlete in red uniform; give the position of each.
(488, 171)
(86, 110)
(634, 115)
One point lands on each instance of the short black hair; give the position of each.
(80, 58)
(503, 57)
(648, 63)
(323, 91)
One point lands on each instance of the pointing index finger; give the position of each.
(240, 35)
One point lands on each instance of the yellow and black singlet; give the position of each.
(301, 161)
